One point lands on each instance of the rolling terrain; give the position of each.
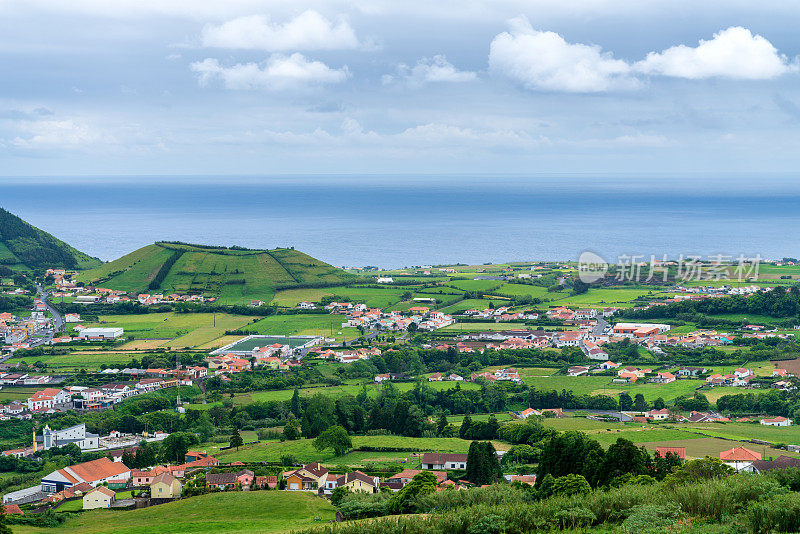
(25, 247)
(234, 275)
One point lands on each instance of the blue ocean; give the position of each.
(397, 221)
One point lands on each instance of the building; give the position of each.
(310, 477)
(781, 462)
(577, 370)
(444, 461)
(75, 434)
(357, 481)
(243, 479)
(739, 457)
(658, 415)
(101, 497)
(165, 486)
(680, 452)
(93, 473)
(100, 334)
(395, 482)
(47, 398)
(776, 421)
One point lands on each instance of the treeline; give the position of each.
(780, 302)
(163, 271)
(15, 303)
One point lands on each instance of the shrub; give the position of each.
(778, 514)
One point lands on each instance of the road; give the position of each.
(602, 324)
(58, 321)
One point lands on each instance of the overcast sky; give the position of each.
(405, 86)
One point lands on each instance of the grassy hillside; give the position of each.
(234, 275)
(243, 512)
(25, 247)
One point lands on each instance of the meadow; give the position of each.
(242, 512)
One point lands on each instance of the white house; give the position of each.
(776, 421)
(100, 334)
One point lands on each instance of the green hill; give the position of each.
(235, 275)
(25, 247)
(240, 511)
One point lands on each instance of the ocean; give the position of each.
(398, 221)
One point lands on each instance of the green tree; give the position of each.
(320, 414)
(622, 457)
(639, 404)
(483, 466)
(659, 404)
(175, 446)
(4, 529)
(292, 429)
(339, 494)
(700, 469)
(441, 424)
(423, 483)
(463, 430)
(236, 439)
(335, 438)
(625, 402)
(146, 455)
(570, 485)
(294, 405)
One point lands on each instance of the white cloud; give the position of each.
(278, 72)
(545, 60)
(307, 31)
(732, 53)
(435, 69)
(66, 133)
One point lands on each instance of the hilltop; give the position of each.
(25, 247)
(234, 274)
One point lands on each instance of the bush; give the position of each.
(778, 514)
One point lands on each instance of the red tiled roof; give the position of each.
(739, 454)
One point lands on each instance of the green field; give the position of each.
(176, 329)
(602, 385)
(241, 512)
(232, 275)
(323, 324)
(303, 450)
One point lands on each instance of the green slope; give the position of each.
(245, 512)
(235, 275)
(25, 247)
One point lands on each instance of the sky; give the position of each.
(150, 87)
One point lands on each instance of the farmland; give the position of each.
(231, 275)
(241, 512)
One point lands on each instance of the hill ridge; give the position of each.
(234, 274)
(24, 246)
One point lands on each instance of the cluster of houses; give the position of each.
(501, 314)
(359, 316)
(271, 357)
(501, 375)
(350, 355)
(16, 332)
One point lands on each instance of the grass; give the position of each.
(303, 450)
(232, 275)
(700, 447)
(181, 329)
(602, 385)
(327, 325)
(241, 512)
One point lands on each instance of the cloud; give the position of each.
(430, 70)
(732, 53)
(51, 134)
(307, 31)
(278, 72)
(545, 60)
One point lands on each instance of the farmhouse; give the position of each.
(680, 452)
(577, 370)
(308, 478)
(776, 421)
(101, 497)
(739, 457)
(445, 461)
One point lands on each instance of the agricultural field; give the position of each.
(91, 361)
(177, 330)
(602, 385)
(234, 276)
(303, 450)
(323, 324)
(242, 512)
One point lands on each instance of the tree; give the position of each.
(423, 483)
(145, 455)
(463, 431)
(700, 469)
(639, 404)
(292, 429)
(175, 446)
(335, 438)
(622, 457)
(319, 415)
(482, 464)
(570, 485)
(338, 494)
(441, 424)
(625, 402)
(236, 439)
(659, 404)
(4, 529)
